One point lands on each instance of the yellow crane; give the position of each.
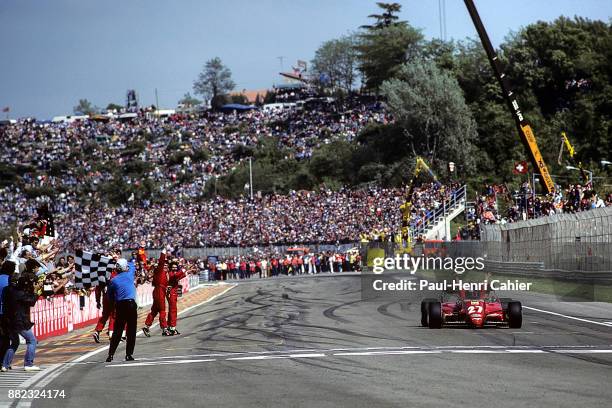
(403, 238)
(565, 142)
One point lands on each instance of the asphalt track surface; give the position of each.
(313, 342)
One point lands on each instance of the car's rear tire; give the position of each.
(435, 315)
(515, 315)
(425, 311)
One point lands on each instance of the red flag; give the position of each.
(520, 167)
(6, 109)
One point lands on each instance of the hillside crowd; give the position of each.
(523, 205)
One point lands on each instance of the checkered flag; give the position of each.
(91, 269)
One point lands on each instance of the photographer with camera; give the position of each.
(18, 300)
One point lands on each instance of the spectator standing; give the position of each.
(19, 299)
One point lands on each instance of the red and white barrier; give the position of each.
(57, 315)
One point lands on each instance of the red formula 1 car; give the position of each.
(472, 308)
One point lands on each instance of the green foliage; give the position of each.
(8, 174)
(565, 66)
(214, 80)
(134, 148)
(200, 155)
(189, 101)
(35, 192)
(335, 63)
(270, 97)
(218, 101)
(136, 167)
(84, 107)
(114, 107)
(58, 167)
(429, 106)
(384, 46)
(388, 16)
(239, 98)
(117, 191)
(241, 151)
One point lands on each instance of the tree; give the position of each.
(429, 106)
(85, 108)
(113, 107)
(563, 68)
(239, 98)
(215, 80)
(387, 18)
(385, 45)
(335, 63)
(189, 100)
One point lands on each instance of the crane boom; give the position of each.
(572, 154)
(523, 127)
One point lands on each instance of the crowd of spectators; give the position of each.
(75, 160)
(265, 265)
(181, 151)
(315, 217)
(523, 204)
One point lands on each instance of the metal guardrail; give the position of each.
(536, 269)
(439, 214)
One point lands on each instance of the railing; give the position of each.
(439, 214)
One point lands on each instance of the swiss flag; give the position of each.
(520, 167)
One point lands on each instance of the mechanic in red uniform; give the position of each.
(108, 313)
(160, 283)
(174, 276)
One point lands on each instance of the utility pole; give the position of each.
(156, 101)
(251, 176)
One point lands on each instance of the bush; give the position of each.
(35, 192)
(178, 157)
(8, 174)
(136, 167)
(58, 167)
(200, 155)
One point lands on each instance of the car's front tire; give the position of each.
(435, 315)
(515, 315)
(425, 311)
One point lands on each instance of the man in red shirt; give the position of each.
(258, 268)
(174, 276)
(160, 283)
(108, 314)
(274, 263)
(243, 269)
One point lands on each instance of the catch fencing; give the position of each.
(566, 246)
(580, 242)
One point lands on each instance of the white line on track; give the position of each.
(461, 350)
(606, 324)
(388, 353)
(310, 355)
(145, 364)
(46, 376)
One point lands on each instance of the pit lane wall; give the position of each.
(60, 314)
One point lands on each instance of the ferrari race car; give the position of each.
(472, 308)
